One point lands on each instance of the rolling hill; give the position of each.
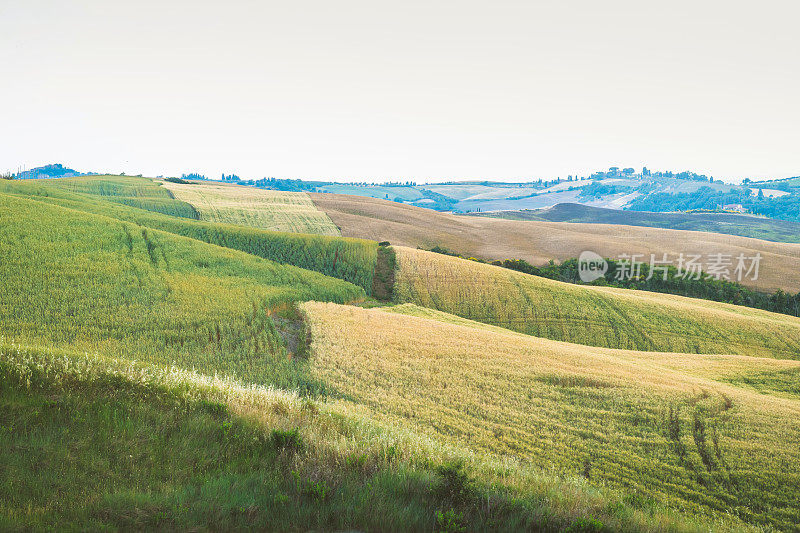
(257, 208)
(136, 191)
(669, 428)
(615, 189)
(92, 442)
(117, 408)
(352, 260)
(540, 241)
(596, 316)
(94, 283)
(164, 372)
(727, 223)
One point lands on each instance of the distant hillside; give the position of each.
(614, 189)
(540, 241)
(729, 223)
(595, 316)
(56, 170)
(257, 208)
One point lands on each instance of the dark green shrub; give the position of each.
(289, 440)
(178, 180)
(316, 491)
(215, 409)
(455, 485)
(450, 522)
(586, 525)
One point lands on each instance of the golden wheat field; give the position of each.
(257, 208)
(538, 242)
(597, 316)
(666, 427)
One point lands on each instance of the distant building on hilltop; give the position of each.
(736, 208)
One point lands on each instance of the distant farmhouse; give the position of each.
(735, 208)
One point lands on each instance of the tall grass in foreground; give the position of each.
(664, 428)
(596, 316)
(76, 279)
(352, 260)
(89, 442)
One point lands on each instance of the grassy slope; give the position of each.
(134, 191)
(352, 260)
(157, 296)
(92, 443)
(597, 316)
(124, 445)
(663, 427)
(257, 208)
(742, 225)
(538, 242)
(100, 284)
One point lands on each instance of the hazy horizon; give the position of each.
(428, 92)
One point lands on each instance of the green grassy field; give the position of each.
(155, 374)
(668, 429)
(596, 316)
(349, 259)
(257, 208)
(99, 284)
(143, 193)
(90, 442)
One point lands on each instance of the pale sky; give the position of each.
(424, 90)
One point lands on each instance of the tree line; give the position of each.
(705, 198)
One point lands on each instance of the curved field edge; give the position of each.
(95, 283)
(595, 316)
(159, 447)
(143, 193)
(253, 207)
(537, 242)
(352, 260)
(665, 428)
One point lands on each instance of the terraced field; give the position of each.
(596, 316)
(256, 208)
(666, 428)
(539, 241)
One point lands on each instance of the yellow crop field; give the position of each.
(677, 429)
(210, 442)
(538, 242)
(597, 316)
(257, 208)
